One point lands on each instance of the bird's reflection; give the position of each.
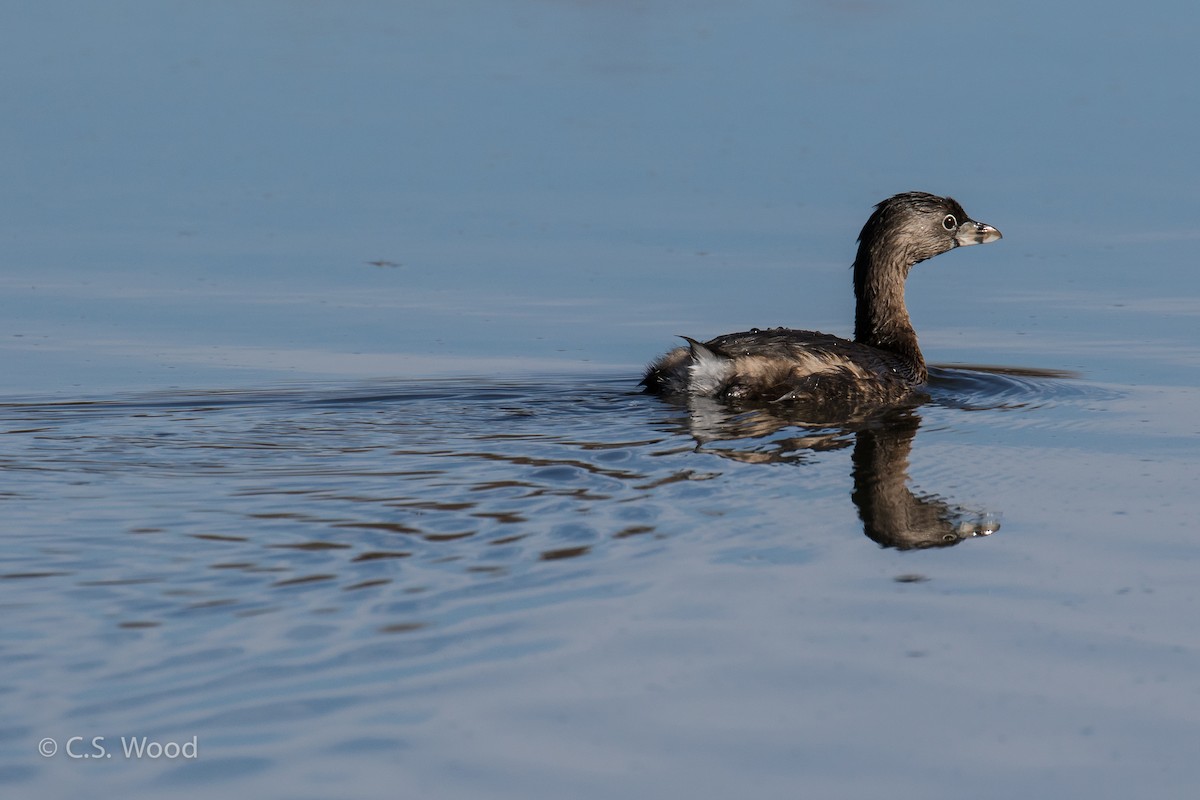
(892, 513)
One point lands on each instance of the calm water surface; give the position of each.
(533, 588)
(321, 446)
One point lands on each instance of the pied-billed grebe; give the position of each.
(882, 365)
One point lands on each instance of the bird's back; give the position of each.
(784, 364)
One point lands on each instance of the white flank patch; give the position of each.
(708, 372)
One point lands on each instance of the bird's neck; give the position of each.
(881, 317)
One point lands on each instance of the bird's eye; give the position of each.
(949, 223)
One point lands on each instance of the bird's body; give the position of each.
(781, 364)
(883, 364)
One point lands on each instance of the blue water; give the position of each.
(322, 450)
